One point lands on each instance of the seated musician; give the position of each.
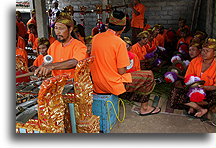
(20, 41)
(139, 48)
(134, 60)
(21, 51)
(43, 45)
(204, 67)
(51, 40)
(178, 89)
(66, 51)
(153, 42)
(109, 67)
(33, 34)
(184, 37)
(159, 29)
(182, 25)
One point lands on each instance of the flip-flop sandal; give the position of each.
(151, 113)
(135, 110)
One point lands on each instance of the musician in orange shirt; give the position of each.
(22, 52)
(66, 51)
(43, 45)
(33, 34)
(185, 37)
(22, 30)
(32, 20)
(134, 60)
(158, 30)
(139, 48)
(137, 21)
(20, 41)
(203, 67)
(109, 68)
(51, 40)
(182, 25)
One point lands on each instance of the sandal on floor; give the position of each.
(151, 113)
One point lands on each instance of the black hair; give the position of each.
(119, 15)
(81, 30)
(32, 26)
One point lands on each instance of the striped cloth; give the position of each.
(142, 85)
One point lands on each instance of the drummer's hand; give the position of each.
(43, 70)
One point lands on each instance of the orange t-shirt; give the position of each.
(187, 40)
(134, 62)
(31, 21)
(94, 31)
(35, 44)
(21, 42)
(153, 43)
(178, 32)
(195, 68)
(32, 38)
(138, 20)
(160, 40)
(75, 49)
(146, 27)
(23, 53)
(39, 61)
(139, 51)
(110, 54)
(22, 31)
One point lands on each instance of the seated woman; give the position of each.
(204, 67)
(43, 45)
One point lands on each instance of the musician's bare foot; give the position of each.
(201, 112)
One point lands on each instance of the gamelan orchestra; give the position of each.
(75, 83)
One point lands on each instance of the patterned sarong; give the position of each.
(142, 85)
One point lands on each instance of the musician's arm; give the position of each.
(44, 70)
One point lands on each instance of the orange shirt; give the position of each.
(146, 27)
(51, 39)
(160, 40)
(139, 51)
(22, 31)
(35, 44)
(195, 68)
(81, 38)
(187, 40)
(151, 44)
(31, 21)
(138, 20)
(21, 42)
(32, 38)
(23, 53)
(75, 49)
(178, 32)
(134, 63)
(39, 61)
(110, 54)
(94, 31)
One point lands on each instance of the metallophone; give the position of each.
(44, 106)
